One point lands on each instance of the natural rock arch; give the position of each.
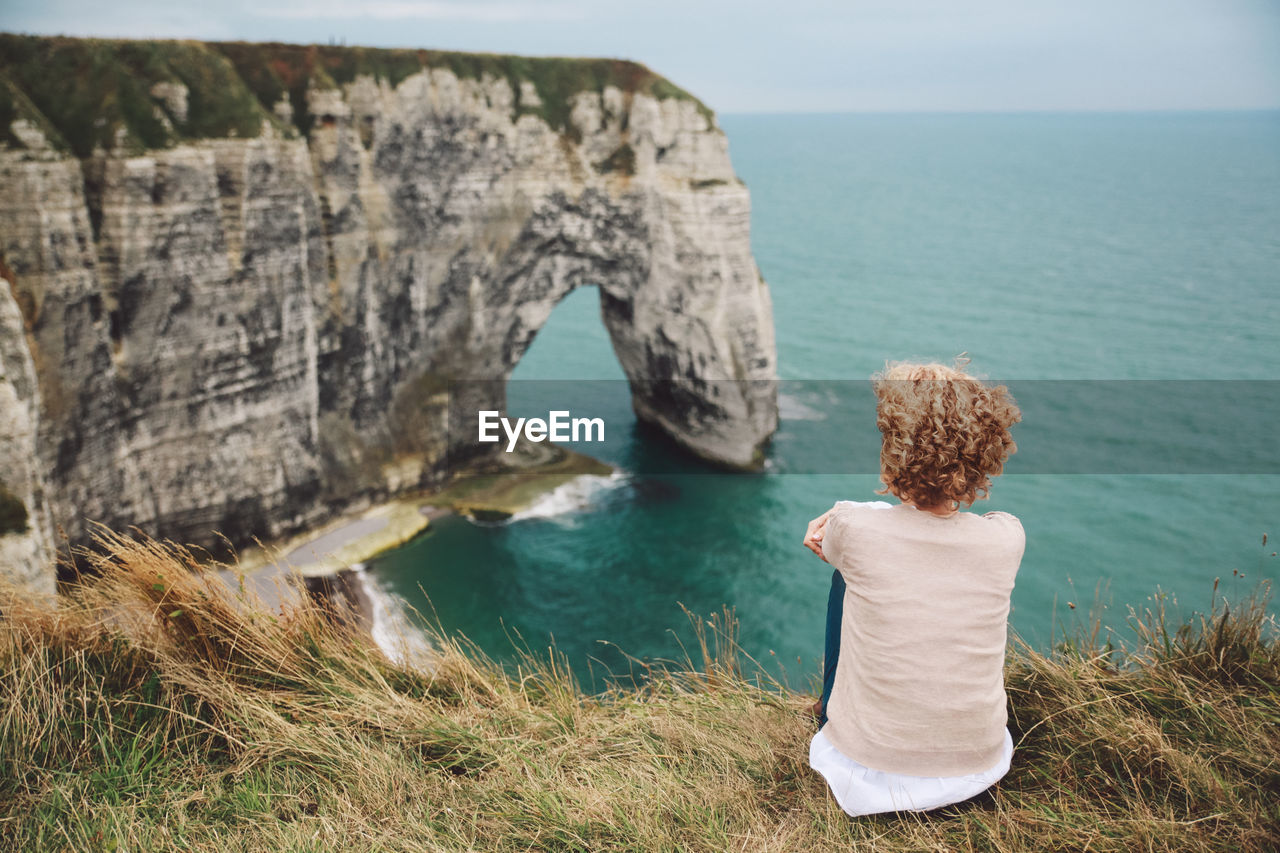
(245, 333)
(685, 367)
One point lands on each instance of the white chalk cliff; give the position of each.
(243, 324)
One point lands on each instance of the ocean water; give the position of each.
(1047, 247)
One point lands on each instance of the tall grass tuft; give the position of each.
(152, 707)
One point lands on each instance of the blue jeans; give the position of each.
(831, 653)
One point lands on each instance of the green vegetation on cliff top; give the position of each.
(90, 90)
(155, 709)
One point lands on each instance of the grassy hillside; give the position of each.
(157, 710)
(91, 90)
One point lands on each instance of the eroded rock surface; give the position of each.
(247, 334)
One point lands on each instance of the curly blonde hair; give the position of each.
(944, 433)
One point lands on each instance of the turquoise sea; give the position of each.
(1048, 247)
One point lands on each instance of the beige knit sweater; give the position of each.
(919, 685)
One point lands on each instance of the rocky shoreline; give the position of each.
(324, 562)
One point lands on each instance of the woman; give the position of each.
(913, 707)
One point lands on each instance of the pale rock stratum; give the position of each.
(242, 281)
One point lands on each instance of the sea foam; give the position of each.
(577, 494)
(396, 635)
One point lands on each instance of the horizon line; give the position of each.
(936, 111)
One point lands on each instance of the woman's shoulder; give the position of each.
(850, 521)
(1009, 524)
(858, 515)
(850, 511)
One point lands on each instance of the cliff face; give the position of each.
(246, 274)
(25, 550)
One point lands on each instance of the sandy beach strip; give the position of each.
(342, 544)
(352, 540)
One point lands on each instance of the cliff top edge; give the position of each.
(139, 95)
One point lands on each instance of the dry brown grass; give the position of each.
(153, 708)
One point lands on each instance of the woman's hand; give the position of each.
(813, 536)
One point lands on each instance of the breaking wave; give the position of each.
(577, 494)
(397, 636)
(791, 408)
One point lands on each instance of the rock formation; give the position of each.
(25, 550)
(243, 281)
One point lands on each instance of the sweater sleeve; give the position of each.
(841, 527)
(834, 535)
(1017, 537)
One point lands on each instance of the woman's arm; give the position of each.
(816, 530)
(829, 530)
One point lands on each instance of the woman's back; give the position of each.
(919, 689)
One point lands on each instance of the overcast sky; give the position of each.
(796, 56)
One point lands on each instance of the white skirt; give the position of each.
(862, 791)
